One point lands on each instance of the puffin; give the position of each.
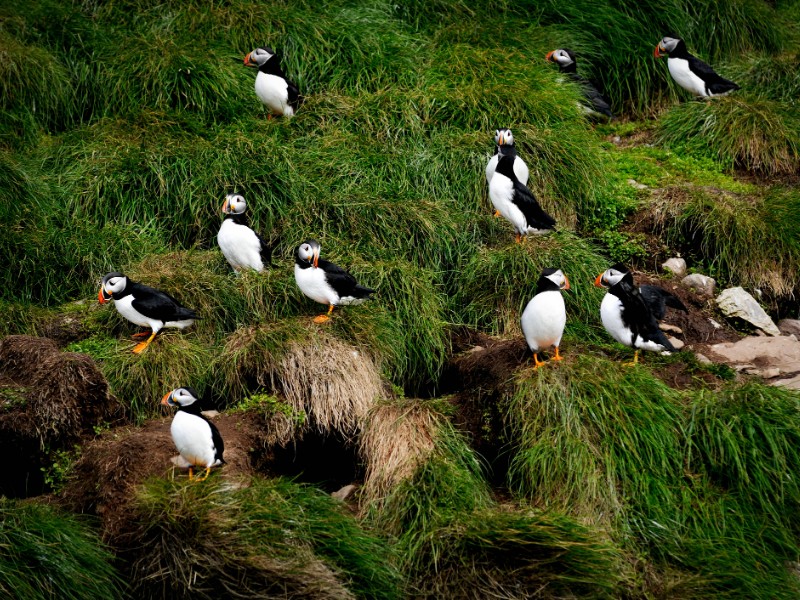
(513, 200)
(277, 93)
(544, 317)
(325, 282)
(504, 140)
(691, 73)
(144, 306)
(196, 438)
(626, 315)
(242, 246)
(596, 103)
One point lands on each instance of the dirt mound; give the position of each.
(103, 479)
(49, 400)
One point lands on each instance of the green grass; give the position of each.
(46, 554)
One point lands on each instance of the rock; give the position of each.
(616, 139)
(703, 359)
(676, 343)
(789, 326)
(702, 284)
(714, 324)
(635, 184)
(736, 302)
(343, 493)
(670, 328)
(209, 414)
(676, 266)
(763, 356)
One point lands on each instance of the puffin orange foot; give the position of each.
(557, 356)
(322, 319)
(537, 363)
(141, 335)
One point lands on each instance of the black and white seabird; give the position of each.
(504, 140)
(545, 316)
(627, 316)
(516, 202)
(656, 298)
(595, 102)
(144, 306)
(691, 73)
(242, 247)
(196, 438)
(325, 282)
(277, 93)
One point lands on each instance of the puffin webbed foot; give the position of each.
(141, 346)
(557, 356)
(537, 363)
(635, 360)
(326, 317)
(141, 335)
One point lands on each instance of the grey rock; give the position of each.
(676, 266)
(702, 284)
(703, 359)
(770, 373)
(714, 324)
(635, 184)
(343, 493)
(670, 328)
(676, 343)
(768, 357)
(209, 414)
(736, 302)
(789, 326)
(792, 383)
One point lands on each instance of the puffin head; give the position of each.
(113, 283)
(308, 252)
(258, 57)
(557, 277)
(180, 397)
(611, 276)
(234, 204)
(666, 45)
(563, 57)
(504, 137)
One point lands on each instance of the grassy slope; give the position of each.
(124, 125)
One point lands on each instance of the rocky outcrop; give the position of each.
(774, 358)
(736, 302)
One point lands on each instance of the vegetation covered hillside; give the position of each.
(124, 124)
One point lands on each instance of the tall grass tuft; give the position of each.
(272, 537)
(742, 132)
(47, 554)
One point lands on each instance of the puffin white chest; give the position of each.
(543, 320)
(192, 437)
(273, 91)
(684, 77)
(312, 283)
(501, 193)
(125, 307)
(240, 246)
(611, 315)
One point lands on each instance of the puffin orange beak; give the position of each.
(598, 281)
(501, 140)
(566, 283)
(165, 399)
(549, 55)
(225, 206)
(657, 52)
(101, 297)
(247, 62)
(316, 258)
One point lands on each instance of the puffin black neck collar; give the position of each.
(679, 51)
(238, 219)
(193, 409)
(546, 285)
(570, 68)
(272, 66)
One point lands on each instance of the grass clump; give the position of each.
(273, 537)
(740, 132)
(46, 554)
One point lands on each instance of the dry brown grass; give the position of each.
(334, 383)
(66, 393)
(396, 439)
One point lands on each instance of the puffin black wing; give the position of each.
(295, 99)
(715, 83)
(343, 282)
(596, 100)
(534, 214)
(637, 315)
(267, 248)
(156, 304)
(657, 299)
(216, 438)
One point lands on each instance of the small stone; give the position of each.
(714, 324)
(676, 266)
(636, 184)
(770, 373)
(676, 343)
(736, 302)
(616, 139)
(343, 493)
(702, 284)
(789, 326)
(209, 414)
(476, 349)
(703, 359)
(670, 328)
(746, 367)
